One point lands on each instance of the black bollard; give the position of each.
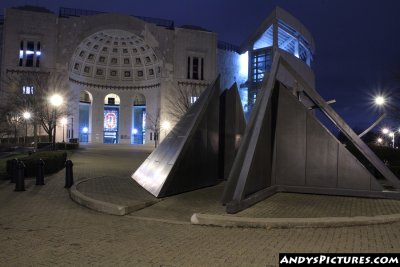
(69, 176)
(14, 170)
(40, 172)
(20, 181)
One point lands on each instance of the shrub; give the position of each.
(67, 146)
(44, 145)
(53, 160)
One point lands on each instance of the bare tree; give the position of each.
(154, 125)
(30, 91)
(180, 99)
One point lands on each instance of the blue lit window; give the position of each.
(30, 54)
(266, 40)
(27, 90)
(294, 43)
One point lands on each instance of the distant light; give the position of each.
(385, 130)
(134, 131)
(64, 121)
(380, 100)
(85, 129)
(391, 134)
(166, 125)
(29, 52)
(244, 64)
(21, 54)
(380, 140)
(38, 53)
(27, 115)
(56, 100)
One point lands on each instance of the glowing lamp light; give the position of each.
(21, 54)
(27, 115)
(391, 134)
(385, 130)
(380, 140)
(56, 100)
(85, 129)
(63, 121)
(380, 100)
(244, 64)
(134, 131)
(38, 53)
(166, 125)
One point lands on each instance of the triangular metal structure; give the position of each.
(232, 128)
(187, 159)
(285, 148)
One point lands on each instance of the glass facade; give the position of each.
(111, 115)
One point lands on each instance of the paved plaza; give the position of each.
(44, 227)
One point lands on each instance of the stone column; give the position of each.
(125, 118)
(97, 123)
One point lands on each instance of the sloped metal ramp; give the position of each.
(286, 149)
(187, 159)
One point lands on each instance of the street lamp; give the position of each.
(55, 100)
(64, 121)
(380, 100)
(166, 125)
(379, 140)
(27, 115)
(385, 130)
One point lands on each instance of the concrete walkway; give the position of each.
(43, 227)
(121, 196)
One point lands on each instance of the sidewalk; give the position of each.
(120, 195)
(43, 227)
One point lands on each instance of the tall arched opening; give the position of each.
(138, 135)
(111, 119)
(85, 116)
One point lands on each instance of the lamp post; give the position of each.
(27, 115)
(55, 100)
(391, 134)
(64, 122)
(380, 102)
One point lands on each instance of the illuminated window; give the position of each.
(29, 54)
(27, 90)
(193, 99)
(30, 51)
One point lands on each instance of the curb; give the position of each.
(105, 207)
(270, 223)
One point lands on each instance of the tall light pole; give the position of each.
(64, 122)
(55, 100)
(27, 116)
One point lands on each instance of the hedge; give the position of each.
(67, 146)
(53, 160)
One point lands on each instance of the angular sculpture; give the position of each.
(232, 127)
(285, 148)
(187, 159)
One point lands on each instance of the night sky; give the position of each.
(357, 41)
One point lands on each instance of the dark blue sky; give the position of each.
(357, 41)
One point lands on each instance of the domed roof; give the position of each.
(114, 58)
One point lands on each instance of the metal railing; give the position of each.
(66, 12)
(229, 47)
